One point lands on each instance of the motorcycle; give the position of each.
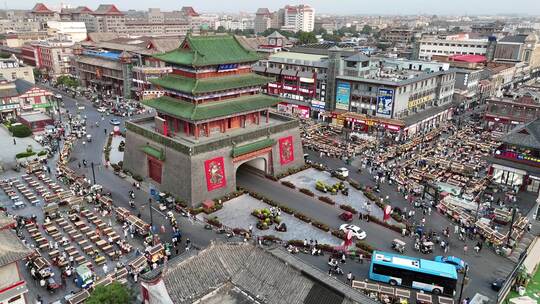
(132, 204)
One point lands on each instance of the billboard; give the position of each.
(385, 101)
(343, 95)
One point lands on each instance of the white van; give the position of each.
(343, 172)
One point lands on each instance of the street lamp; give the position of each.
(463, 283)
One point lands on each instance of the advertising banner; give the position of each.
(385, 101)
(215, 173)
(343, 95)
(286, 150)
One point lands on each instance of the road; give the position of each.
(484, 267)
(119, 188)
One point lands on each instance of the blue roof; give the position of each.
(104, 54)
(427, 266)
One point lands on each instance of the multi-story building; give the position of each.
(42, 14)
(11, 69)
(417, 93)
(503, 114)
(67, 30)
(120, 65)
(211, 120)
(519, 48)
(453, 45)
(20, 97)
(397, 35)
(467, 87)
(299, 18)
(108, 18)
(263, 20)
(516, 162)
(19, 39)
(10, 26)
(13, 287)
(53, 57)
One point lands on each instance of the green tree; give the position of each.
(68, 81)
(37, 73)
(114, 293)
(366, 30)
(20, 130)
(306, 37)
(331, 37)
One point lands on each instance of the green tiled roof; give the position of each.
(207, 85)
(254, 146)
(209, 50)
(189, 111)
(153, 152)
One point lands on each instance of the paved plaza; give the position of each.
(236, 213)
(357, 199)
(9, 150)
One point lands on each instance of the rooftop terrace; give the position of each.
(189, 145)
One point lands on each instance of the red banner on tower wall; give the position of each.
(215, 173)
(286, 150)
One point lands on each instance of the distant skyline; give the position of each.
(343, 7)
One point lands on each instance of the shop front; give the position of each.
(8, 111)
(362, 123)
(292, 109)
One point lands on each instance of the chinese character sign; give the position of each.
(215, 173)
(286, 150)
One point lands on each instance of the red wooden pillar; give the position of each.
(258, 117)
(196, 131)
(207, 129)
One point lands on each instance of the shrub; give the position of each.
(270, 238)
(121, 164)
(296, 243)
(228, 196)
(321, 226)
(396, 228)
(302, 217)
(365, 246)
(271, 177)
(327, 200)
(256, 195)
(196, 211)
(326, 248)
(42, 153)
(20, 131)
(214, 221)
(317, 166)
(288, 184)
(339, 234)
(215, 208)
(240, 231)
(348, 208)
(355, 185)
(181, 203)
(307, 192)
(25, 154)
(286, 209)
(370, 196)
(137, 177)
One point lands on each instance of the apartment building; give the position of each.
(519, 48)
(299, 18)
(397, 35)
(67, 30)
(11, 69)
(53, 57)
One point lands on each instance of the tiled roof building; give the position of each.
(209, 106)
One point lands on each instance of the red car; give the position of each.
(346, 216)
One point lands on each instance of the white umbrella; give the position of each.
(523, 300)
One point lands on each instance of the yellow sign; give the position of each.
(419, 101)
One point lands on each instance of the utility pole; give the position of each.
(58, 108)
(151, 217)
(93, 172)
(463, 283)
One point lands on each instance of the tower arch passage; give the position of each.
(258, 164)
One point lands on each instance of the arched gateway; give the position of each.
(211, 120)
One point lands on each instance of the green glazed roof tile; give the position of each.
(207, 85)
(192, 112)
(254, 146)
(153, 152)
(209, 50)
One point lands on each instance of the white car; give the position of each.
(343, 172)
(357, 231)
(102, 110)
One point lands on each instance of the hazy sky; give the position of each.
(531, 7)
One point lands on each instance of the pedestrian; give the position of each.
(250, 229)
(14, 142)
(456, 229)
(79, 165)
(135, 276)
(349, 277)
(343, 258)
(529, 226)
(477, 249)
(188, 244)
(465, 248)
(105, 268)
(361, 258)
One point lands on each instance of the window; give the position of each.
(14, 75)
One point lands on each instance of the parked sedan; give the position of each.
(115, 122)
(452, 260)
(356, 231)
(102, 109)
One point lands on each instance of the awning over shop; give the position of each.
(251, 147)
(156, 153)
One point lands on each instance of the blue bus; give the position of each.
(399, 270)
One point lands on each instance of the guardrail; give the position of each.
(510, 280)
(212, 145)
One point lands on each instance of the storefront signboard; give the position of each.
(343, 95)
(385, 100)
(10, 106)
(41, 105)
